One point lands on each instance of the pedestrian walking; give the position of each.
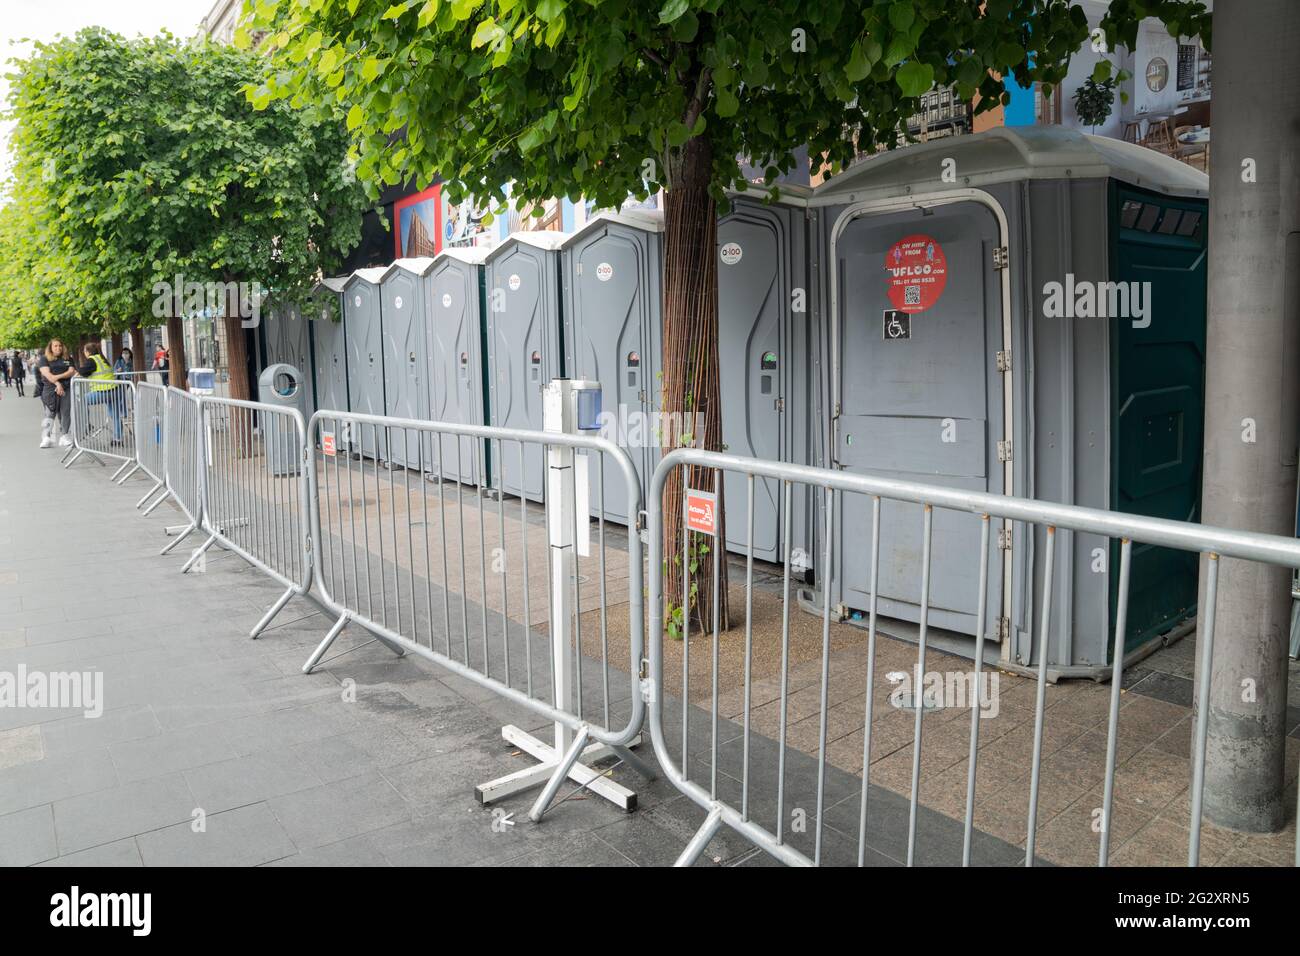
(18, 369)
(55, 373)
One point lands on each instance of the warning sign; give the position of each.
(918, 272)
(327, 443)
(702, 512)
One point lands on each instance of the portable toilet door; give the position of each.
(763, 361)
(524, 317)
(363, 332)
(613, 272)
(329, 352)
(289, 342)
(454, 333)
(403, 311)
(916, 381)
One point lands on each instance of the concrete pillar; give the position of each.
(1252, 395)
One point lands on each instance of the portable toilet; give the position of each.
(329, 354)
(455, 334)
(613, 287)
(1020, 311)
(404, 311)
(363, 335)
(523, 352)
(286, 339)
(767, 337)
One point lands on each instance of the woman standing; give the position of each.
(55, 370)
(18, 369)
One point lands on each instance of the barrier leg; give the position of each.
(124, 466)
(199, 552)
(270, 615)
(135, 466)
(561, 772)
(149, 494)
(324, 645)
(701, 839)
(188, 530)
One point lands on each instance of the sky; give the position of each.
(47, 19)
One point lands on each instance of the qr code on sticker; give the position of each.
(911, 295)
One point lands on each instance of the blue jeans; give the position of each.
(109, 397)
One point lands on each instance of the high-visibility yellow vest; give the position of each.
(103, 373)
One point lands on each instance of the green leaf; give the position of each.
(901, 15)
(355, 116)
(859, 65)
(1009, 55)
(915, 78)
(396, 10)
(672, 10)
(427, 13)
(727, 103)
(548, 10)
(1101, 72)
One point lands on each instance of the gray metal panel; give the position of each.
(455, 363)
(406, 388)
(613, 323)
(923, 394)
(363, 333)
(523, 352)
(288, 341)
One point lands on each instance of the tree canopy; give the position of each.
(136, 161)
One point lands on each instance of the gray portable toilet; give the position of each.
(288, 341)
(283, 386)
(766, 363)
(329, 351)
(363, 335)
(613, 324)
(951, 363)
(523, 353)
(404, 293)
(455, 335)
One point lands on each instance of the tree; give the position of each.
(150, 169)
(603, 100)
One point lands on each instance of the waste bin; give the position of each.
(282, 386)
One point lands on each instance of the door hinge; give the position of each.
(1004, 628)
(780, 404)
(1004, 539)
(640, 396)
(1004, 360)
(1004, 449)
(1000, 257)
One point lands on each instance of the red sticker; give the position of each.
(918, 271)
(327, 443)
(701, 512)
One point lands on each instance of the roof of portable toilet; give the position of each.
(647, 220)
(474, 255)
(372, 275)
(788, 194)
(331, 284)
(547, 239)
(419, 265)
(1011, 154)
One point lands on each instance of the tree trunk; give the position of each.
(690, 383)
(138, 362)
(178, 373)
(1252, 403)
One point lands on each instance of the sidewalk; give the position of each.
(213, 749)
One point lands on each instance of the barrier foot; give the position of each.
(324, 646)
(270, 615)
(69, 462)
(189, 529)
(198, 553)
(635, 762)
(166, 493)
(135, 466)
(148, 494)
(545, 770)
(561, 774)
(701, 839)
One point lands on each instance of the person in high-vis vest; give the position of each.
(105, 392)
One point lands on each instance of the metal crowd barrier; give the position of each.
(736, 811)
(103, 414)
(254, 488)
(150, 455)
(460, 576)
(183, 451)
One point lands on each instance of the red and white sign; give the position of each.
(918, 272)
(702, 512)
(327, 443)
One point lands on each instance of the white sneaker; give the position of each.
(65, 441)
(46, 441)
